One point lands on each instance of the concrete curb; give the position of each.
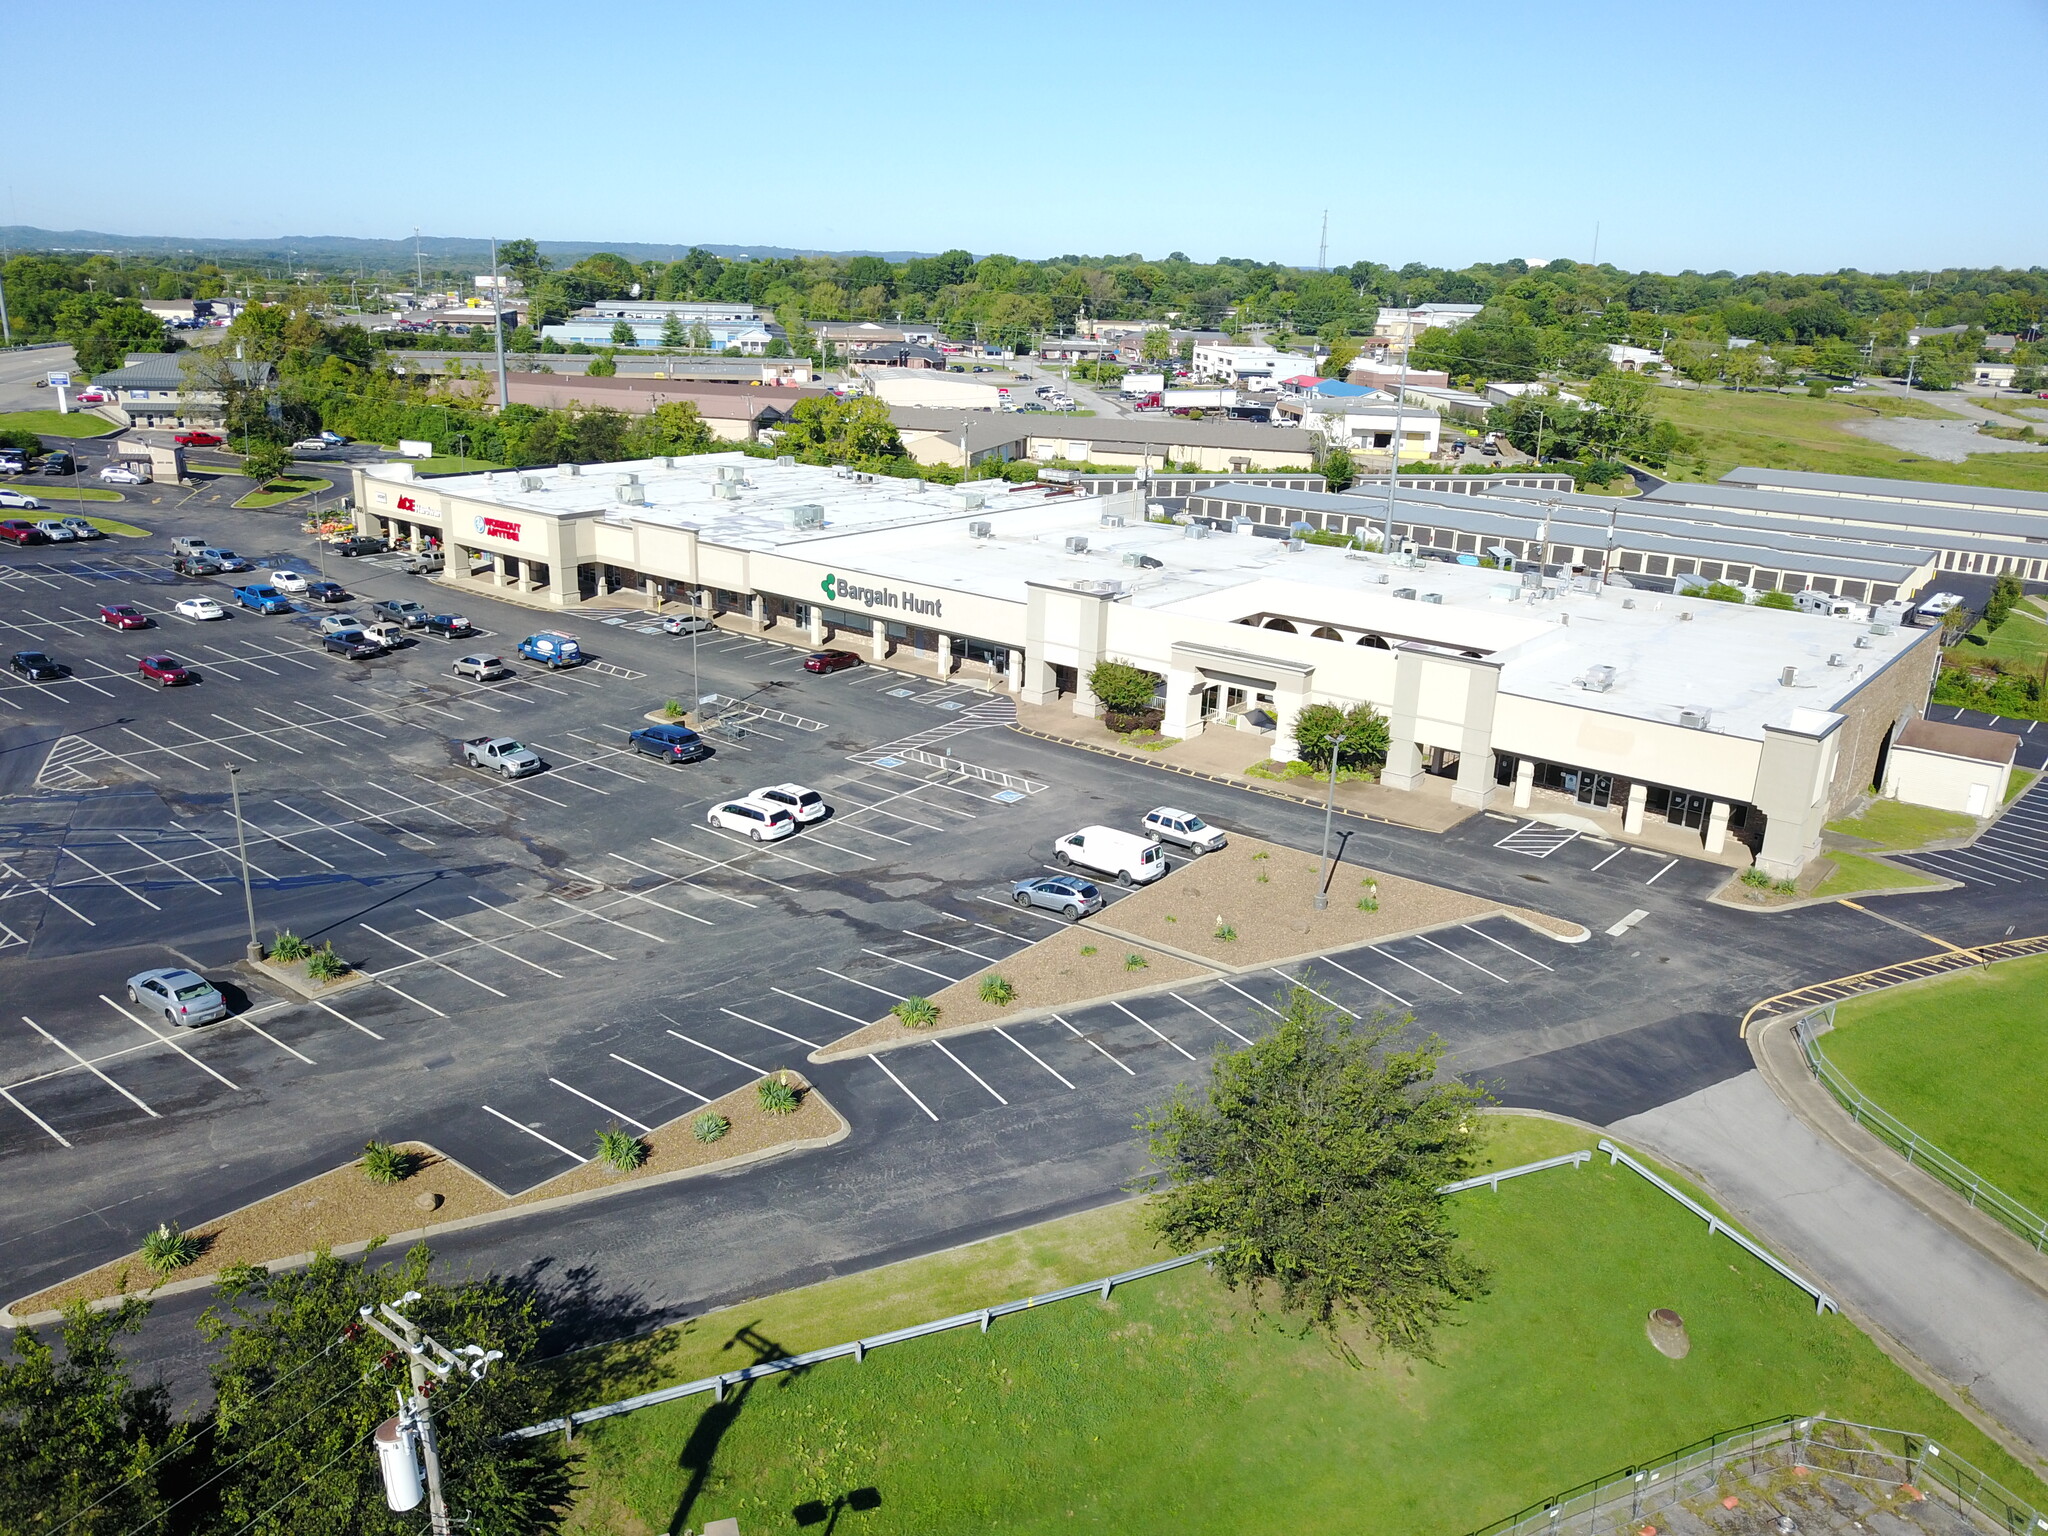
(1783, 1068)
(433, 1229)
(1935, 887)
(270, 970)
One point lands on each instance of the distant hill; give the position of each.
(381, 255)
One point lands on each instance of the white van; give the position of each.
(1132, 859)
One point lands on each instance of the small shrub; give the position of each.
(673, 709)
(621, 1149)
(1263, 878)
(709, 1126)
(1368, 904)
(999, 990)
(383, 1163)
(1087, 949)
(1171, 918)
(1784, 887)
(167, 1250)
(323, 964)
(777, 1097)
(917, 1012)
(288, 946)
(1226, 933)
(1756, 879)
(1261, 854)
(1135, 962)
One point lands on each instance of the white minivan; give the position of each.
(1131, 859)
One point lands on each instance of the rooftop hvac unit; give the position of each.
(1112, 520)
(725, 490)
(1789, 678)
(1685, 615)
(629, 479)
(1880, 629)
(1695, 719)
(1137, 559)
(785, 461)
(1076, 545)
(1433, 597)
(730, 473)
(970, 501)
(981, 530)
(532, 483)
(1837, 659)
(1407, 592)
(570, 469)
(1597, 679)
(1243, 525)
(1628, 602)
(1296, 544)
(807, 515)
(1195, 531)
(630, 495)
(1863, 642)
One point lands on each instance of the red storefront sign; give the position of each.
(407, 504)
(498, 528)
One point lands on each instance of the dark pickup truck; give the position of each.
(353, 644)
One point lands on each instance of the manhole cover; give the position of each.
(571, 888)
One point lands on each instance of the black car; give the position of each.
(673, 743)
(60, 464)
(361, 546)
(194, 565)
(35, 666)
(449, 625)
(327, 592)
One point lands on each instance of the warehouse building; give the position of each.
(1732, 722)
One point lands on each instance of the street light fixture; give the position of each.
(255, 950)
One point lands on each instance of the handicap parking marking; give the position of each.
(1536, 839)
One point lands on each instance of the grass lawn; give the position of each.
(1892, 825)
(452, 466)
(2022, 640)
(2016, 784)
(1170, 1407)
(56, 500)
(1960, 1061)
(284, 488)
(119, 530)
(1774, 431)
(58, 424)
(1853, 872)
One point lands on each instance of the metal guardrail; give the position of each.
(1822, 1302)
(1928, 966)
(1918, 1151)
(1618, 1501)
(858, 1348)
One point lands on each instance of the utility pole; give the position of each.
(419, 266)
(255, 950)
(6, 330)
(423, 1354)
(1322, 896)
(1394, 466)
(1323, 249)
(498, 322)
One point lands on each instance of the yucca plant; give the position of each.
(621, 1149)
(288, 946)
(323, 964)
(777, 1097)
(1135, 962)
(1225, 932)
(167, 1250)
(999, 990)
(383, 1163)
(709, 1126)
(917, 1012)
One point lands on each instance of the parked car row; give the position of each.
(41, 667)
(1130, 858)
(770, 813)
(49, 530)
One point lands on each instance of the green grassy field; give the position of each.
(452, 466)
(1892, 825)
(1960, 1061)
(2021, 641)
(1774, 431)
(1853, 872)
(119, 529)
(58, 424)
(57, 499)
(284, 488)
(1172, 1407)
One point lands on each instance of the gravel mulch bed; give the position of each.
(342, 1207)
(1262, 893)
(1051, 974)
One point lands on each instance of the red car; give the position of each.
(15, 531)
(123, 616)
(197, 440)
(167, 670)
(830, 661)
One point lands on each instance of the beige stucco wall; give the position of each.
(1967, 784)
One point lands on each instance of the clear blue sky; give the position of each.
(1706, 134)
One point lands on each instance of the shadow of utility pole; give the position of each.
(700, 1452)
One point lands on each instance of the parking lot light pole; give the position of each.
(1322, 898)
(255, 951)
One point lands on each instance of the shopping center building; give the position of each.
(1515, 689)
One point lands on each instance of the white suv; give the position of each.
(763, 823)
(1167, 825)
(806, 805)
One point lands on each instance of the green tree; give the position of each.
(103, 330)
(1157, 346)
(2006, 593)
(300, 1387)
(700, 337)
(1314, 1159)
(1837, 358)
(1343, 353)
(1776, 600)
(522, 258)
(266, 461)
(1358, 735)
(81, 1447)
(672, 428)
(603, 366)
(672, 333)
(1337, 467)
(1121, 688)
(623, 335)
(828, 430)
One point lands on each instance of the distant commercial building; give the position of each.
(1221, 447)
(734, 412)
(1254, 367)
(716, 326)
(152, 391)
(1401, 326)
(1365, 424)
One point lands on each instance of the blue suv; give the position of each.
(676, 743)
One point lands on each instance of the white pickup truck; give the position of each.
(501, 754)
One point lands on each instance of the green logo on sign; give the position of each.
(830, 584)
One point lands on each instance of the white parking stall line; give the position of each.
(711, 863)
(429, 959)
(2003, 852)
(857, 1023)
(671, 1082)
(901, 842)
(39, 1120)
(894, 997)
(1418, 970)
(197, 836)
(280, 838)
(851, 853)
(893, 960)
(90, 1067)
(149, 1029)
(167, 863)
(1502, 943)
(1240, 991)
(325, 1008)
(1001, 933)
(936, 783)
(1097, 1044)
(47, 889)
(388, 987)
(415, 804)
(799, 1039)
(1296, 981)
(164, 747)
(68, 853)
(1120, 1008)
(536, 1135)
(204, 741)
(95, 687)
(881, 808)
(329, 717)
(669, 879)
(957, 948)
(646, 900)
(1033, 1055)
(1432, 943)
(1662, 873)
(920, 1103)
(1205, 1013)
(1355, 976)
(363, 815)
(487, 944)
(523, 788)
(329, 828)
(129, 762)
(714, 1050)
(767, 848)
(1618, 852)
(300, 725)
(241, 730)
(1959, 868)
(464, 794)
(970, 1072)
(616, 1114)
(544, 932)
(600, 917)
(1037, 912)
